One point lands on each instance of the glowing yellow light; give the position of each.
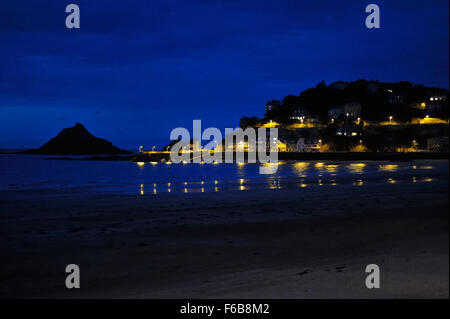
(141, 163)
(142, 189)
(241, 181)
(185, 190)
(358, 183)
(303, 185)
(331, 168)
(185, 183)
(270, 124)
(356, 167)
(216, 182)
(168, 184)
(391, 181)
(388, 168)
(300, 167)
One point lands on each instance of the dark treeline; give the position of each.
(378, 99)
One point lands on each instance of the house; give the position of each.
(290, 144)
(309, 145)
(352, 110)
(437, 144)
(304, 116)
(349, 129)
(298, 114)
(438, 98)
(434, 106)
(336, 112)
(396, 98)
(419, 105)
(272, 105)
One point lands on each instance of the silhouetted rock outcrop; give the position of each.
(77, 141)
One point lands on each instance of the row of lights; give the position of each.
(302, 185)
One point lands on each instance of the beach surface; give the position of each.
(312, 242)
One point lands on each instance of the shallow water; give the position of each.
(36, 173)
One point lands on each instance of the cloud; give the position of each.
(175, 59)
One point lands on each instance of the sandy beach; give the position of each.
(287, 243)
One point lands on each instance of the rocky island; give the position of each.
(77, 140)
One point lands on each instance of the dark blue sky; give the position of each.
(137, 69)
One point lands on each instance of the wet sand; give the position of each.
(312, 242)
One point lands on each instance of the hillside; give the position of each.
(77, 141)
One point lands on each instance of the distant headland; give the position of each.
(359, 116)
(77, 140)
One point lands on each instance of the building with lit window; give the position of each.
(349, 129)
(336, 112)
(309, 145)
(352, 110)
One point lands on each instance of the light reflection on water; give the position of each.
(356, 168)
(273, 183)
(300, 167)
(35, 173)
(391, 181)
(358, 182)
(388, 168)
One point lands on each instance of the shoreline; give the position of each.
(282, 156)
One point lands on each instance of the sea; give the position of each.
(43, 173)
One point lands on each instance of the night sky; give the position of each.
(137, 69)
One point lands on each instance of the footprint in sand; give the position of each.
(339, 268)
(304, 272)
